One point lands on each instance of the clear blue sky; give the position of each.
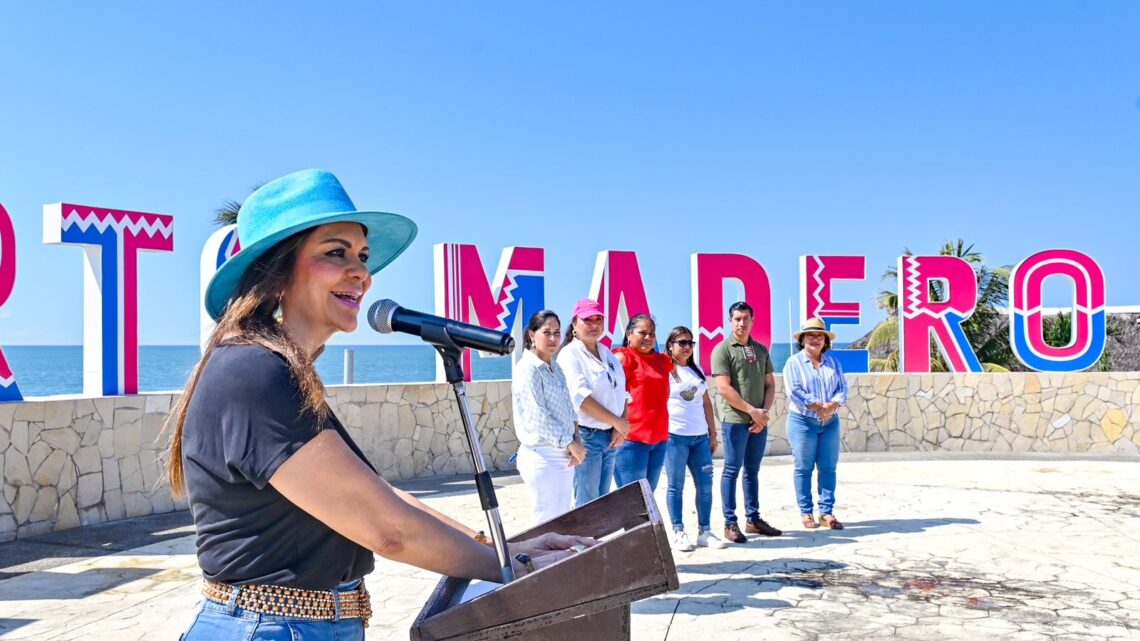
(665, 128)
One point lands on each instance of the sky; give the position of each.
(767, 129)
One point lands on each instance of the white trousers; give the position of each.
(549, 479)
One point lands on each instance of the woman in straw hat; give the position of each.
(816, 389)
(287, 509)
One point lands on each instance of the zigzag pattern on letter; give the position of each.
(91, 219)
(819, 287)
(506, 297)
(507, 294)
(713, 334)
(912, 286)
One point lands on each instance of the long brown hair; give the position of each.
(250, 318)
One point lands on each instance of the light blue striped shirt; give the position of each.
(543, 414)
(805, 385)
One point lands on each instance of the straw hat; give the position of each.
(814, 326)
(294, 203)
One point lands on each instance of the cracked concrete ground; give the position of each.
(936, 548)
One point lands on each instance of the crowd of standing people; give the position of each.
(587, 416)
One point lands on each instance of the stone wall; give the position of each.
(76, 461)
(1082, 413)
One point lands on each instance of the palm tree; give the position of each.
(227, 212)
(985, 328)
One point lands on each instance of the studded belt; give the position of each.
(314, 605)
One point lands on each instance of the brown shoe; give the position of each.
(830, 521)
(809, 521)
(733, 534)
(760, 526)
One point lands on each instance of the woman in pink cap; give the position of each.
(596, 382)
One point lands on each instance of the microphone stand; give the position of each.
(437, 336)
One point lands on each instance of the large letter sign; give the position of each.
(111, 240)
(220, 247)
(919, 315)
(462, 292)
(710, 309)
(9, 390)
(816, 276)
(618, 287)
(1027, 326)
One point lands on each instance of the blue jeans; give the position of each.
(592, 476)
(815, 445)
(637, 460)
(741, 448)
(219, 622)
(690, 452)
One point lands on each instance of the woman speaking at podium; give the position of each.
(287, 509)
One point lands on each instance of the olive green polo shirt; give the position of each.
(747, 367)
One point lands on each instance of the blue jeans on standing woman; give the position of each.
(742, 449)
(637, 460)
(815, 445)
(592, 476)
(690, 453)
(222, 621)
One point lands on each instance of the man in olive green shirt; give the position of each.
(746, 386)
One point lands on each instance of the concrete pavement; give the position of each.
(937, 547)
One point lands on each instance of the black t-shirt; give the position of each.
(244, 421)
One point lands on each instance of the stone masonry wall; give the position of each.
(71, 461)
(1081, 413)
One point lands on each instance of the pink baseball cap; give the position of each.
(586, 308)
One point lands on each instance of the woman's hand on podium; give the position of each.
(548, 549)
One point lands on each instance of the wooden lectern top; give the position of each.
(633, 562)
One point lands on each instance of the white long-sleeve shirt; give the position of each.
(600, 377)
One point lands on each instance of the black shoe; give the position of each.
(760, 526)
(732, 533)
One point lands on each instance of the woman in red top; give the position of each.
(647, 379)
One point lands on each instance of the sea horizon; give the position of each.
(56, 370)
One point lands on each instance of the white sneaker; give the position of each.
(707, 539)
(681, 542)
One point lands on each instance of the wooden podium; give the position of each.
(585, 596)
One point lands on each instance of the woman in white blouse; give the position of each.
(596, 382)
(692, 442)
(549, 445)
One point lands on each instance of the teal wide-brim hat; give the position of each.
(294, 203)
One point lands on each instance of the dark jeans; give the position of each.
(639, 461)
(741, 449)
(691, 453)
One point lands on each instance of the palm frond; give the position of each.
(888, 364)
(885, 333)
(227, 212)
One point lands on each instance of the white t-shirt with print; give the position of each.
(687, 403)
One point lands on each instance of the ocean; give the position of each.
(43, 370)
